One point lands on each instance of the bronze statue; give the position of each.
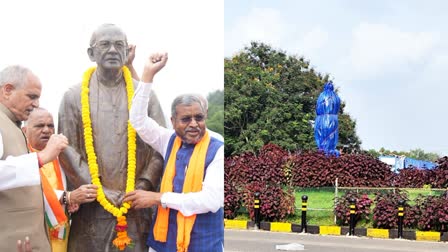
(93, 228)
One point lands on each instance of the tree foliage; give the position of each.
(418, 154)
(215, 120)
(271, 97)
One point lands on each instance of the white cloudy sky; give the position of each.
(51, 38)
(389, 59)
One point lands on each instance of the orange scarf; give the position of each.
(192, 183)
(54, 211)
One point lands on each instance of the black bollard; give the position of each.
(400, 218)
(304, 204)
(351, 230)
(257, 209)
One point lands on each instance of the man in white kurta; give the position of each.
(21, 203)
(188, 118)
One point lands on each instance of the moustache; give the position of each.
(192, 129)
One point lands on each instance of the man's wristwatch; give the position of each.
(162, 202)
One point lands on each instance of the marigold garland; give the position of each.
(122, 240)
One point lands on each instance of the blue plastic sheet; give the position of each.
(399, 163)
(326, 123)
(422, 164)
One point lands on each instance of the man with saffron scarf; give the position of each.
(38, 129)
(190, 202)
(94, 117)
(21, 203)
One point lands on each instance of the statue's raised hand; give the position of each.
(131, 55)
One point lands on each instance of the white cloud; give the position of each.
(380, 49)
(260, 24)
(313, 40)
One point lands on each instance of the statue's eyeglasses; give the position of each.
(106, 44)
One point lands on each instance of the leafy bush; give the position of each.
(311, 169)
(232, 200)
(276, 204)
(246, 173)
(274, 168)
(439, 175)
(315, 169)
(434, 215)
(239, 169)
(342, 208)
(385, 213)
(232, 189)
(412, 178)
(270, 165)
(365, 171)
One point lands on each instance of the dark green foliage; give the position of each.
(215, 120)
(349, 142)
(270, 97)
(422, 155)
(418, 154)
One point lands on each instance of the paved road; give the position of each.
(265, 241)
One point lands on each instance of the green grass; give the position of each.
(319, 208)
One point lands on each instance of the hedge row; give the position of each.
(277, 171)
(427, 212)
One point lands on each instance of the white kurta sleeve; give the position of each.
(18, 171)
(148, 129)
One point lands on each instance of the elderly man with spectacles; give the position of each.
(191, 198)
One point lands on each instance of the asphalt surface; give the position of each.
(265, 241)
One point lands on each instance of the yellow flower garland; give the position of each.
(122, 239)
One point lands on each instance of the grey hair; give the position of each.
(25, 123)
(15, 75)
(203, 101)
(186, 100)
(104, 26)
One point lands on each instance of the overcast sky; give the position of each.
(51, 38)
(389, 59)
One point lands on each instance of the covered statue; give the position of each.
(326, 123)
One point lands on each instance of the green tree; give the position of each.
(271, 97)
(418, 154)
(215, 120)
(422, 155)
(348, 140)
(374, 153)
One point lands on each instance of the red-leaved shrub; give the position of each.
(434, 213)
(315, 169)
(385, 213)
(439, 175)
(412, 178)
(275, 203)
(342, 208)
(267, 171)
